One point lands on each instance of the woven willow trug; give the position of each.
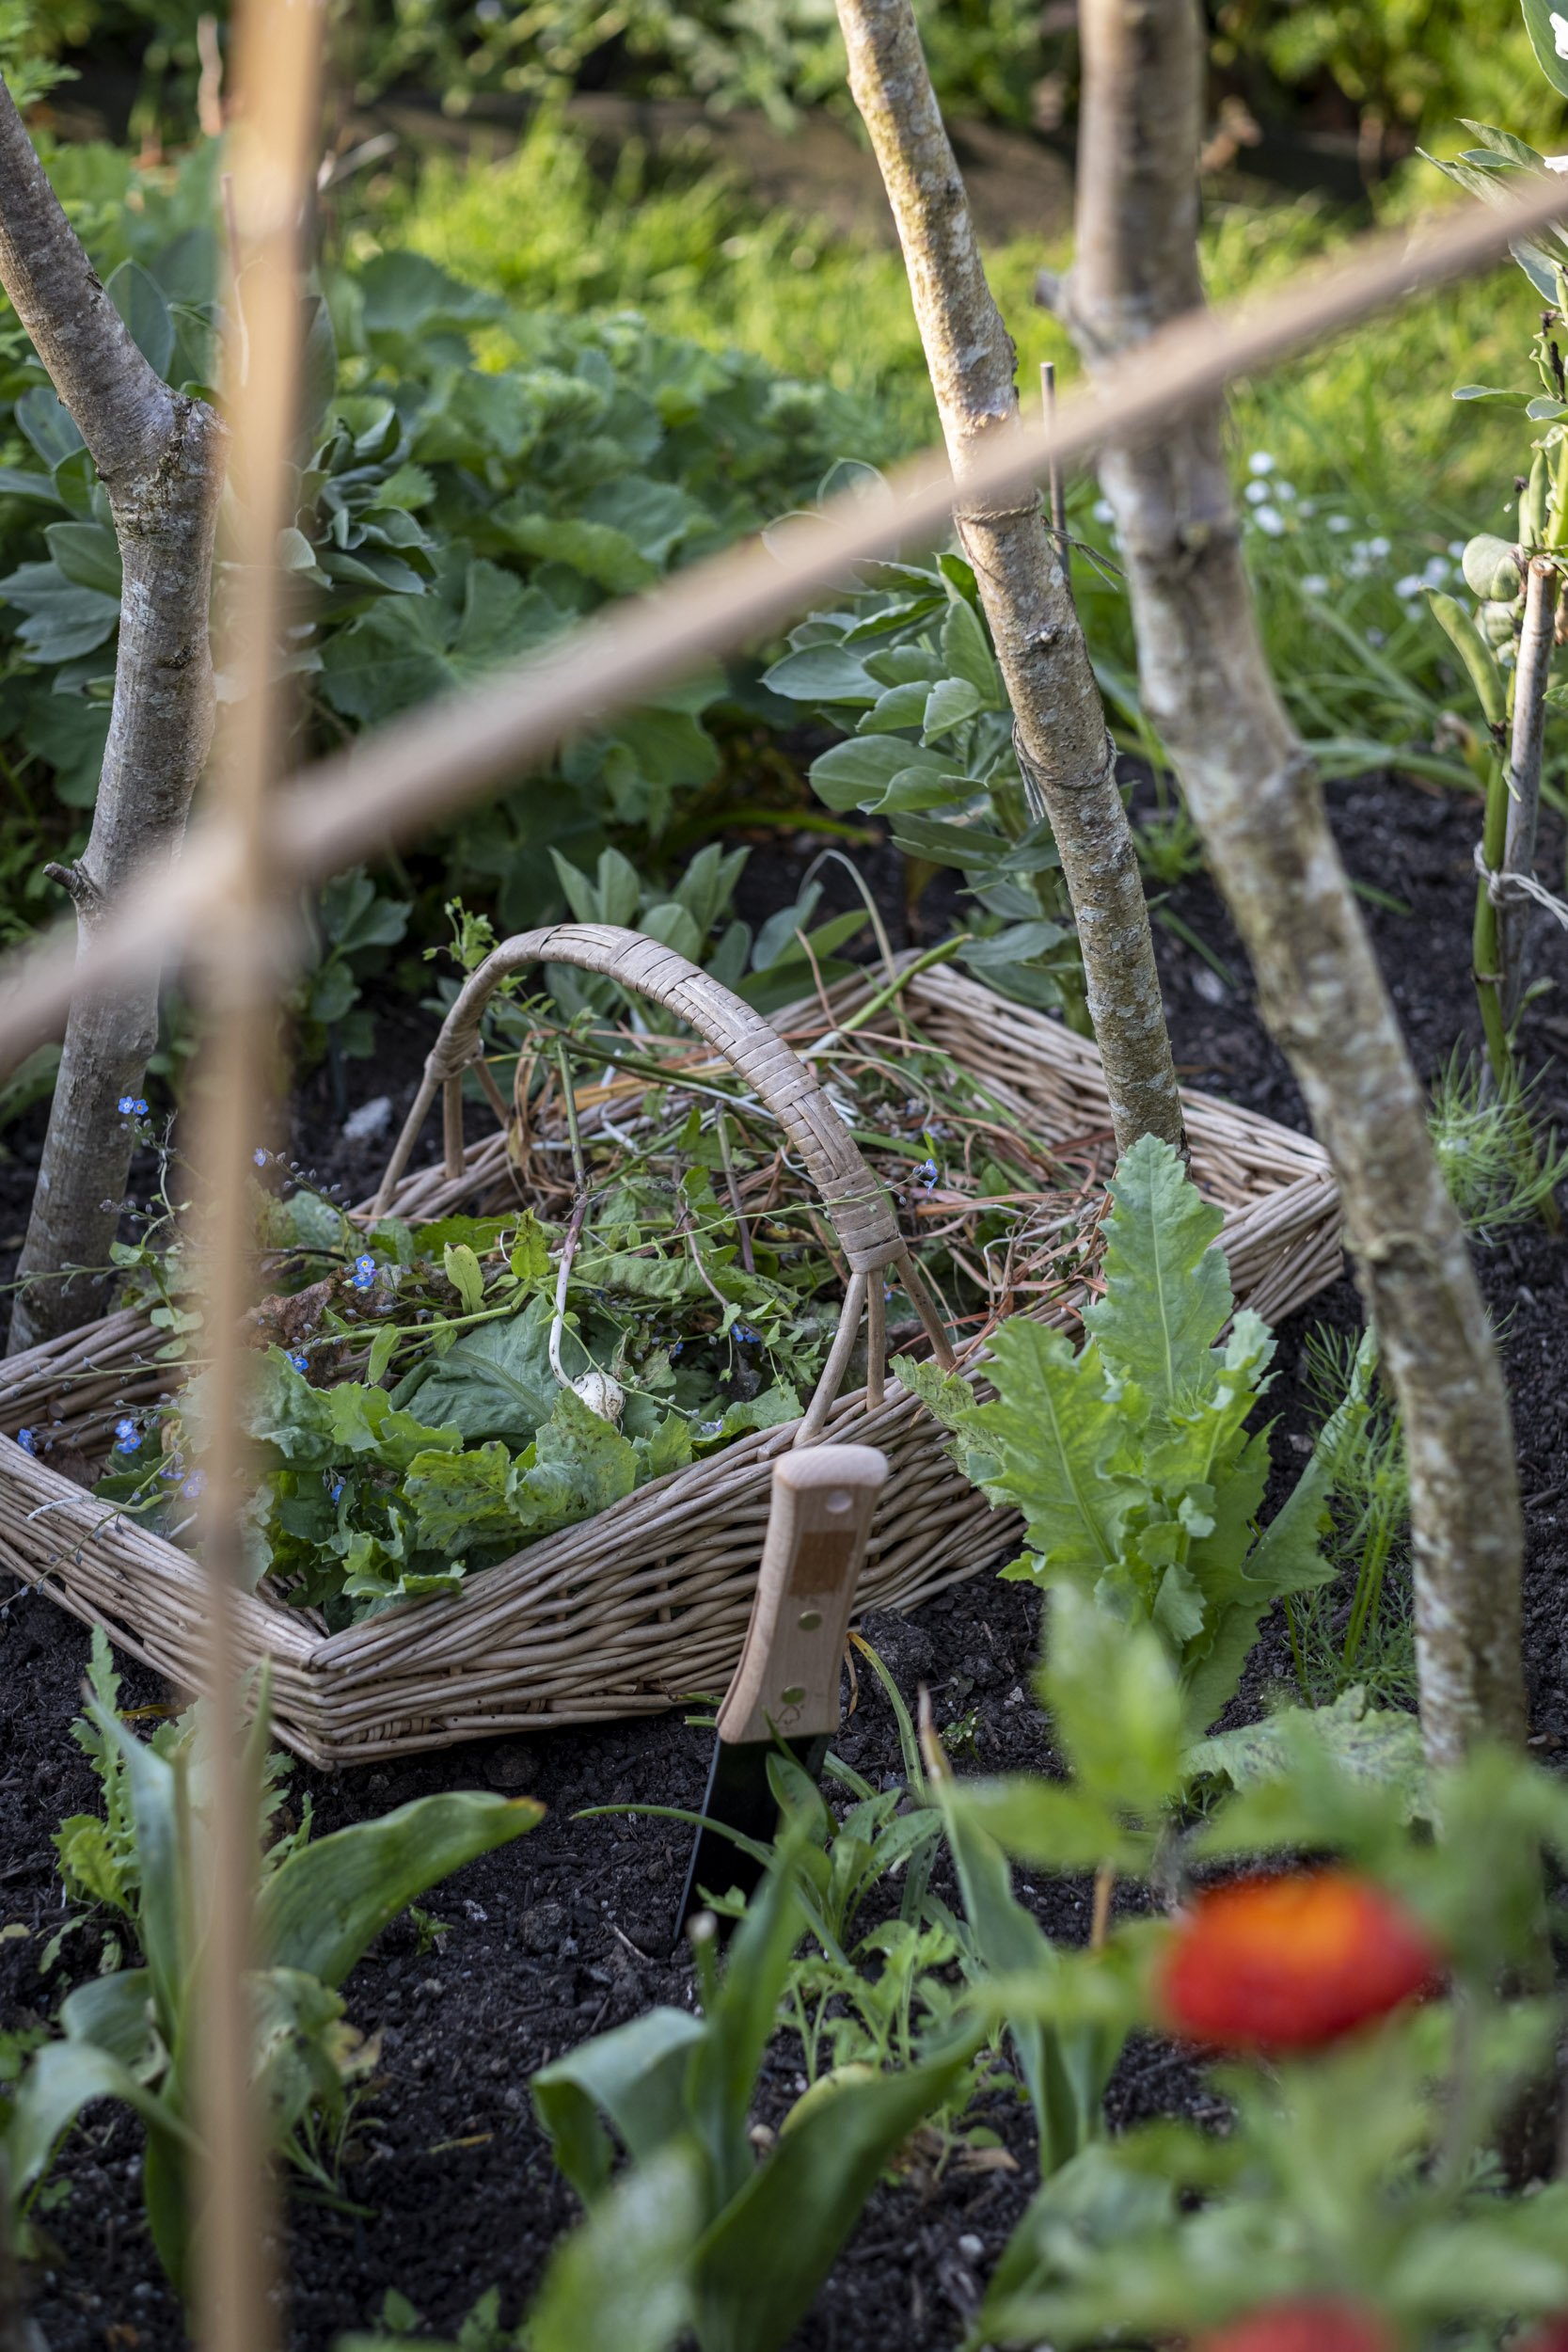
(646, 1603)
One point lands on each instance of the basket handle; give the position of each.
(857, 1206)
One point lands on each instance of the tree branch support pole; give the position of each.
(1065, 751)
(160, 458)
(1256, 800)
(1531, 680)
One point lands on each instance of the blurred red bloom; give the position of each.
(1551, 2336)
(1288, 1963)
(1311, 2324)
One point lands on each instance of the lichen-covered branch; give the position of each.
(1065, 752)
(1256, 800)
(160, 458)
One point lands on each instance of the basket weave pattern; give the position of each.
(646, 1603)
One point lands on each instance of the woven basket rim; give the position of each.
(1302, 1180)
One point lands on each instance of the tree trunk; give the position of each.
(160, 458)
(1257, 803)
(1065, 752)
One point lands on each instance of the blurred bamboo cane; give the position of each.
(440, 758)
(276, 57)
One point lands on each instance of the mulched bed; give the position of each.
(551, 1940)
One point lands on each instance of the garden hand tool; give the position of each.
(784, 1692)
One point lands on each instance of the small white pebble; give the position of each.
(370, 1120)
(1211, 987)
(971, 2246)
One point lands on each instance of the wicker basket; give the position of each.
(646, 1603)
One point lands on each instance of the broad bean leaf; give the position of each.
(322, 1910)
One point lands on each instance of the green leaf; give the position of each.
(1503, 143)
(1052, 1432)
(1377, 1744)
(758, 2269)
(463, 1273)
(287, 1414)
(822, 673)
(1167, 1291)
(70, 734)
(155, 1804)
(363, 1420)
(18, 482)
(633, 2077)
(1048, 1825)
(950, 703)
(1550, 46)
(462, 1498)
(600, 552)
(140, 302)
(495, 1381)
(1114, 1706)
(1021, 943)
(1472, 648)
(1065, 2074)
(530, 1256)
(741, 2023)
(327, 1903)
(623, 2279)
(43, 417)
(62, 2079)
(902, 705)
(968, 654)
(63, 619)
(407, 650)
(87, 554)
(857, 774)
(404, 295)
(115, 2015)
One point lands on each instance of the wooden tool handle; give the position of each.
(787, 1678)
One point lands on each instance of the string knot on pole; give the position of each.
(1506, 888)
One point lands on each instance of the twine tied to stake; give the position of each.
(1506, 888)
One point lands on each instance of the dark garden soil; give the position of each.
(550, 1941)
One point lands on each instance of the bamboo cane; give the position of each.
(277, 62)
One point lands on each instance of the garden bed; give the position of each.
(549, 1942)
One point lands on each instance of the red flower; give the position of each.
(1288, 1963)
(1551, 2336)
(1311, 2324)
